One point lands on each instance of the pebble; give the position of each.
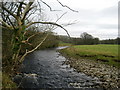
(107, 74)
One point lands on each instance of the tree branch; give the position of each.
(27, 9)
(19, 8)
(32, 12)
(11, 23)
(61, 16)
(52, 23)
(4, 23)
(58, 18)
(26, 41)
(48, 6)
(27, 52)
(66, 6)
(9, 12)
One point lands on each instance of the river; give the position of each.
(46, 69)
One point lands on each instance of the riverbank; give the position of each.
(107, 74)
(10, 65)
(46, 69)
(106, 54)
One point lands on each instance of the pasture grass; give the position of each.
(107, 54)
(64, 44)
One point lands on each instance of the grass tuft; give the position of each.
(7, 82)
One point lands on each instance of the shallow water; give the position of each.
(51, 72)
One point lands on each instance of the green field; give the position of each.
(107, 54)
(64, 44)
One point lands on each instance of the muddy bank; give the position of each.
(108, 75)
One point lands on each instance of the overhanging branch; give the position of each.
(52, 23)
(27, 52)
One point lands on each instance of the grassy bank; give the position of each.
(64, 44)
(107, 54)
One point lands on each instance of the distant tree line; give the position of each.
(87, 39)
(110, 41)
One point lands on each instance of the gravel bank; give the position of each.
(108, 75)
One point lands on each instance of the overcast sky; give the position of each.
(96, 17)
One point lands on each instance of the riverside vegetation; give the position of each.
(101, 61)
(8, 66)
(17, 20)
(94, 60)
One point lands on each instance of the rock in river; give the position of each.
(26, 80)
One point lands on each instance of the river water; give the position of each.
(46, 69)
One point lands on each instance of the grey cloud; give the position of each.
(109, 12)
(108, 26)
(88, 21)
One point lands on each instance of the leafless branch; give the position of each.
(26, 41)
(70, 23)
(11, 22)
(66, 6)
(8, 26)
(27, 52)
(19, 8)
(27, 9)
(32, 12)
(39, 6)
(61, 16)
(9, 12)
(51, 23)
(58, 18)
(48, 6)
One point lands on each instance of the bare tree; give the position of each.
(18, 17)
